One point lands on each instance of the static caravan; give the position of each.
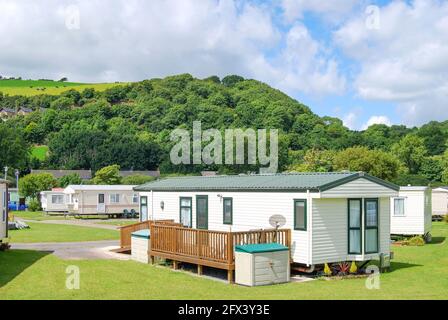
(54, 200)
(100, 199)
(439, 202)
(411, 212)
(3, 210)
(334, 217)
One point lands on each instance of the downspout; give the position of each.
(309, 214)
(7, 210)
(152, 205)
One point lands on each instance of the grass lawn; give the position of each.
(417, 273)
(35, 87)
(39, 152)
(35, 215)
(118, 223)
(41, 232)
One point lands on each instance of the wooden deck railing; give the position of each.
(126, 231)
(206, 247)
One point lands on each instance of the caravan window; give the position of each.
(115, 198)
(135, 198)
(399, 207)
(371, 221)
(57, 199)
(227, 210)
(354, 226)
(300, 215)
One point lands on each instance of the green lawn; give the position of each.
(36, 215)
(39, 152)
(118, 223)
(37, 87)
(41, 232)
(417, 273)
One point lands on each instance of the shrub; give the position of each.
(34, 205)
(414, 241)
(445, 218)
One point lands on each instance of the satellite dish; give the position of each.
(277, 221)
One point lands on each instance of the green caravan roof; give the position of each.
(313, 181)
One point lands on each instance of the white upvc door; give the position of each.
(101, 207)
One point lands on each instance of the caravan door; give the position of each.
(101, 208)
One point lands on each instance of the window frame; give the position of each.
(377, 227)
(58, 196)
(114, 195)
(183, 207)
(404, 207)
(141, 205)
(205, 197)
(135, 196)
(305, 216)
(224, 210)
(360, 228)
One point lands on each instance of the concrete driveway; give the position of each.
(77, 250)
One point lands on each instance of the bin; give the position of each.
(140, 244)
(261, 264)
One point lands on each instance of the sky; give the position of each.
(365, 62)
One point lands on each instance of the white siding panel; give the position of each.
(329, 230)
(251, 210)
(417, 217)
(439, 202)
(360, 188)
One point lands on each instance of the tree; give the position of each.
(315, 161)
(69, 179)
(374, 162)
(411, 150)
(136, 179)
(33, 184)
(108, 175)
(14, 149)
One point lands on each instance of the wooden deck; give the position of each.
(205, 247)
(126, 231)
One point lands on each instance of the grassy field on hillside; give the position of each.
(39, 152)
(416, 273)
(36, 87)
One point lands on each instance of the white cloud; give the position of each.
(306, 67)
(350, 120)
(135, 39)
(377, 120)
(332, 11)
(405, 60)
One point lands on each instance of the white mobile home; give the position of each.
(3, 209)
(333, 216)
(100, 199)
(411, 212)
(440, 202)
(54, 200)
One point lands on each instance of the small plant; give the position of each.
(4, 246)
(34, 205)
(414, 241)
(353, 267)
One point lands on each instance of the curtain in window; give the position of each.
(399, 207)
(371, 234)
(355, 226)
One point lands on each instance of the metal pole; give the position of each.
(17, 185)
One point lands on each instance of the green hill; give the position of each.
(38, 87)
(130, 125)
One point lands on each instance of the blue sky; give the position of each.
(362, 61)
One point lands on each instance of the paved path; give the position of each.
(77, 250)
(81, 223)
